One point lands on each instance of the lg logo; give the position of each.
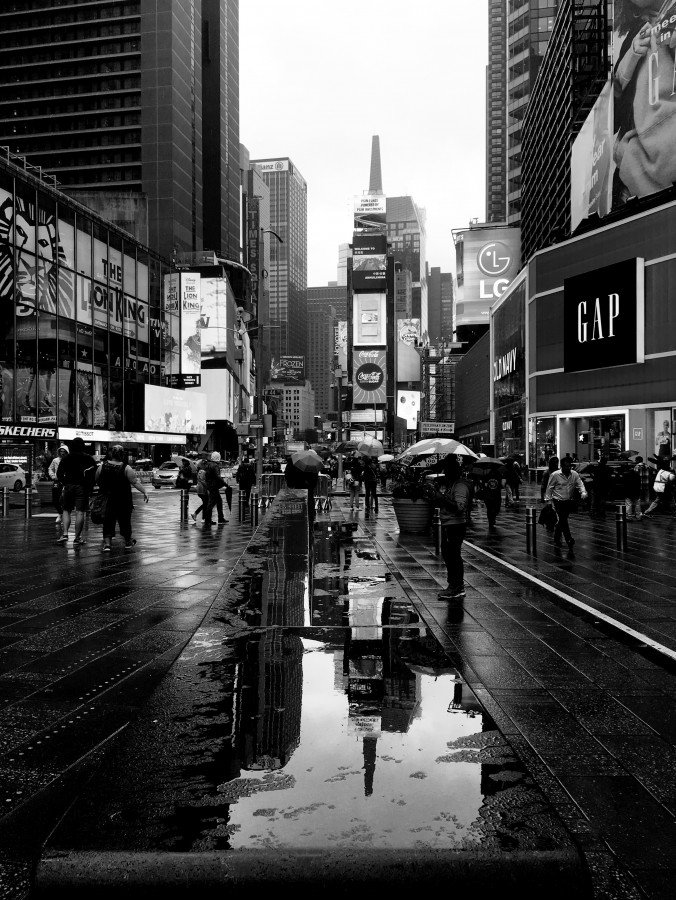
(493, 259)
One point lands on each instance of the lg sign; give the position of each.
(603, 317)
(493, 260)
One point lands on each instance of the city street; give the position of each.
(178, 664)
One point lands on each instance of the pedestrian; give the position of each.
(631, 484)
(76, 476)
(600, 489)
(645, 475)
(354, 479)
(561, 488)
(370, 486)
(246, 478)
(454, 502)
(57, 487)
(663, 486)
(211, 478)
(552, 466)
(186, 476)
(491, 494)
(384, 472)
(512, 481)
(115, 479)
(202, 492)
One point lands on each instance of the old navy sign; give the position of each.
(603, 317)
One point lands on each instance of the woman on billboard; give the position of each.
(645, 102)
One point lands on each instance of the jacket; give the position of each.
(455, 502)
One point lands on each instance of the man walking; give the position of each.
(663, 487)
(454, 505)
(561, 487)
(211, 477)
(76, 475)
(370, 486)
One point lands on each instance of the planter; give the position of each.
(414, 516)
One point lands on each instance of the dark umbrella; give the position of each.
(628, 454)
(346, 447)
(486, 464)
(307, 461)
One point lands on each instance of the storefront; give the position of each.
(508, 355)
(601, 333)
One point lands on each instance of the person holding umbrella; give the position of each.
(370, 485)
(302, 471)
(455, 503)
(354, 479)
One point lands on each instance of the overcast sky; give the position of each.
(319, 78)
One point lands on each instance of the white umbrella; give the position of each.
(386, 457)
(438, 446)
(370, 446)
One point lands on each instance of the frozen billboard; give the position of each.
(642, 114)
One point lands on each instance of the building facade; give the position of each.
(298, 408)
(288, 258)
(440, 305)
(496, 113)
(133, 107)
(406, 242)
(326, 306)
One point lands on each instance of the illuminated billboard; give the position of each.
(172, 412)
(190, 323)
(370, 210)
(487, 259)
(408, 407)
(369, 262)
(591, 182)
(289, 370)
(368, 319)
(218, 314)
(408, 359)
(369, 376)
(640, 117)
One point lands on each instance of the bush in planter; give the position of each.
(412, 490)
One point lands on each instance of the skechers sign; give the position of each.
(603, 317)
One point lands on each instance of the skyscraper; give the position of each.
(133, 107)
(523, 28)
(288, 260)
(325, 307)
(406, 239)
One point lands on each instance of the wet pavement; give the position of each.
(369, 714)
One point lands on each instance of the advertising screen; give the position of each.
(639, 158)
(408, 360)
(289, 369)
(190, 324)
(369, 262)
(369, 377)
(368, 319)
(370, 210)
(218, 315)
(172, 412)
(408, 407)
(487, 259)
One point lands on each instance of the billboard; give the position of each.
(341, 344)
(408, 407)
(369, 378)
(642, 118)
(603, 317)
(591, 162)
(487, 259)
(368, 319)
(370, 210)
(218, 314)
(190, 324)
(289, 370)
(408, 360)
(168, 411)
(369, 262)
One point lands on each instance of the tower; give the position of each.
(133, 108)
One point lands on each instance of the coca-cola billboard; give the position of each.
(369, 376)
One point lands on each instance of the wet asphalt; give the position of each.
(179, 666)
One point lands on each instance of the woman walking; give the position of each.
(57, 487)
(115, 479)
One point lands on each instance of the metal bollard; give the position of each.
(436, 529)
(242, 505)
(254, 506)
(5, 502)
(27, 502)
(621, 526)
(531, 530)
(185, 494)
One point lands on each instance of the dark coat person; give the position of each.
(76, 476)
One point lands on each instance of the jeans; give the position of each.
(371, 495)
(452, 537)
(213, 499)
(633, 507)
(355, 492)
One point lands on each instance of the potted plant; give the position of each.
(412, 500)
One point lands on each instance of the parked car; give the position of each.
(12, 476)
(616, 467)
(165, 475)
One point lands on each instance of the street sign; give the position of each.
(437, 427)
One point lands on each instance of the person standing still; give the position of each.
(212, 481)
(454, 505)
(246, 478)
(370, 486)
(115, 478)
(631, 483)
(491, 494)
(57, 487)
(560, 491)
(645, 476)
(76, 476)
(355, 467)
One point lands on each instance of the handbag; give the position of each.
(547, 516)
(98, 507)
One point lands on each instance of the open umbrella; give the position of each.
(628, 454)
(438, 446)
(346, 447)
(486, 464)
(385, 457)
(370, 446)
(307, 461)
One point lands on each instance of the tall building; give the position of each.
(325, 307)
(288, 258)
(529, 24)
(440, 306)
(133, 107)
(406, 240)
(496, 113)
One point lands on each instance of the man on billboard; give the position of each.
(645, 102)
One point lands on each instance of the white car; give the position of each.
(12, 477)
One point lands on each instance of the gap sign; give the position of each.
(603, 317)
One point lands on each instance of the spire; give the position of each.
(376, 179)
